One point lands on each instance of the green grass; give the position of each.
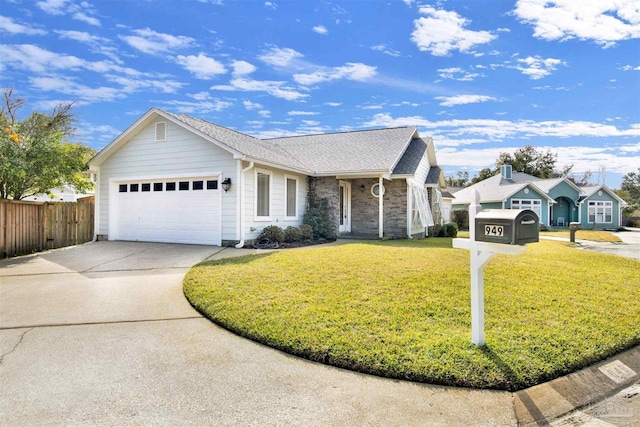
(593, 235)
(401, 309)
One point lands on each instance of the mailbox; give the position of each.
(508, 226)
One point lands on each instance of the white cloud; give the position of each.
(631, 68)
(382, 48)
(201, 66)
(264, 113)
(537, 67)
(320, 29)
(80, 12)
(101, 45)
(349, 71)
(53, 7)
(81, 16)
(503, 30)
(270, 5)
(450, 101)
(441, 32)
(198, 107)
(200, 96)
(251, 105)
(9, 26)
(280, 57)
(499, 129)
(241, 68)
(82, 93)
(603, 21)
(371, 107)
(151, 42)
(457, 73)
(302, 113)
(278, 89)
(36, 59)
(408, 2)
(333, 104)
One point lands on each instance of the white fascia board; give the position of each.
(266, 163)
(359, 174)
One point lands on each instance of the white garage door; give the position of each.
(169, 210)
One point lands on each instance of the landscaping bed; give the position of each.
(401, 309)
(592, 235)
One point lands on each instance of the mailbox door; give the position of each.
(527, 228)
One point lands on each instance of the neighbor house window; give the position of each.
(600, 211)
(263, 194)
(291, 190)
(531, 204)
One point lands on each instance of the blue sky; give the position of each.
(480, 77)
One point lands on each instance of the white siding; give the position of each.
(277, 213)
(423, 170)
(182, 153)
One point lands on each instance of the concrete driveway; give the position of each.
(101, 334)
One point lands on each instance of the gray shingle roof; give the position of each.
(359, 151)
(411, 158)
(434, 175)
(240, 142)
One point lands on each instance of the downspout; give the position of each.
(380, 209)
(241, 204)
(96, 207)
(409, 210)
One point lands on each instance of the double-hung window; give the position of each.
(263, 194)
(600, 211)
(291, 191)
(531, 204)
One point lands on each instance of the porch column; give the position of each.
(380, 209)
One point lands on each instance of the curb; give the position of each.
(539, 405)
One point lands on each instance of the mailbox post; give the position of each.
(493, 231)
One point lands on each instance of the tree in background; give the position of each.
(35, 153)
(531, 161)
(630, 191)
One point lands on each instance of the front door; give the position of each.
(345, 207)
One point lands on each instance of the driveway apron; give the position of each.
(101, 334)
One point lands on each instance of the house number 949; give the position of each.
(493, 230)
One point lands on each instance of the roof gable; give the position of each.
(411, 158)
(589, 191)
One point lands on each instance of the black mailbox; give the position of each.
(508, 226)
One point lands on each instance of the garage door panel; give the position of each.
(187, 216)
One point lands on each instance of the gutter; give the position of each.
(241, 203)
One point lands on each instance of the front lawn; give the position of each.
(401, 309)
(592, 235)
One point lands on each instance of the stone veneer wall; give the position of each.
(364, 208)
(328, 188)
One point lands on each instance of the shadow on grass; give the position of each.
(511, 379)
(242, 259)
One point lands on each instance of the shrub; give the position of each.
(292, 234)
(306, 232)
(461, 219)
(272, 233)
(450, 230)
(319, 218)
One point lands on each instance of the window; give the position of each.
(375, 190)
(146, 187)
(291, 190)
(157, 186)
(171, 186)
(161, 131)
(531, 204)
(133, 187)
(183, 185)
(198, 185)
(600, 211)
(122, 188)
(263, 194)
(212, 185)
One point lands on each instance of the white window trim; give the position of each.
(286, 198)
(255, 197)
(165, 131)
(532, 203)
(605, 204)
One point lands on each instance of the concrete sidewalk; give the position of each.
(629, 248)
(101, 334)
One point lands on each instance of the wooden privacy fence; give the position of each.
(27, 227)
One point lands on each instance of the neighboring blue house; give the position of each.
(556, 201)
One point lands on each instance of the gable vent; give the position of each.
(161, 131)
